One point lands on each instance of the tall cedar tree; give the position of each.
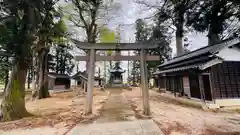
(158, 34)
(21, 21)
(212, 16)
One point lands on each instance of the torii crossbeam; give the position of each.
(116, 46)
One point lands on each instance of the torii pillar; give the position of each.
(91, 65)
(113, 46)
(144, 82)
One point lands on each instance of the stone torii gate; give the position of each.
(116, 46)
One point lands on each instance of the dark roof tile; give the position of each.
(207, 49)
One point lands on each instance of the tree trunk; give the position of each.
(29, 78)
(105, 73)
(6, 80)
(57, 60)
(61, 62)
(6, 76)
(213, 38)
(134, 74)
(13, 104)
(179, 23)
(35, 78)
(179, 45)
(214, 26)
(111, 65)
(64, 63)
(179, 39)
(43, 77)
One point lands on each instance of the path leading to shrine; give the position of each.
(117, 108)
(137, 127)
(117, 118)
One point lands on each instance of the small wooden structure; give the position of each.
(211, 73)
(81, 79)
(58, 81)
(91, 58)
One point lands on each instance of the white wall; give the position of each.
(229, 54)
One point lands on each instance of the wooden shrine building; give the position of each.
(58, 81)
(211, 73)
(81, 79)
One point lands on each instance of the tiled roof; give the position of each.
(80, 74)
(195, 66)
(84, 76)
(212, 49)
(55, 75)
(195, 59)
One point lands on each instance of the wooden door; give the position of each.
(207, 87)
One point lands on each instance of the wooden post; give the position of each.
(201, 87)
(186, 86)
(174, 91)
(85, 86)
(144, 82)
(128, 72)
(90, 83)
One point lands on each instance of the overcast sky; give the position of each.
(126, 16)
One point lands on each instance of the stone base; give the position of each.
(228, 102)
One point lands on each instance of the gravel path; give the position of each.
(117, 108)
(137, 127)
(117, 118)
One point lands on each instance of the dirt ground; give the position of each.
(62, 110)
(176, 119)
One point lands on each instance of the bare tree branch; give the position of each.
(80, 12)
(77, 23)
(144, 3)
